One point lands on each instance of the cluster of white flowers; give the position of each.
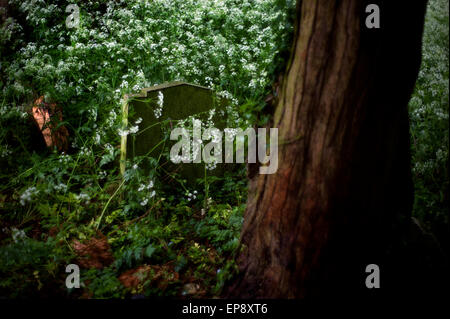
(17, 234)
(83, 197)
(111, 118)
(134, 129)
(160, 103)
(64, 158)
(144, 202)
(191, 196)
(131, 130)
(429, 106)
(85, 151)
(5, 151)
(60, 187)
(27, 195)
(135, 44)
(124, 84)
(102, 175)
(228, 45)
(211, 166)
(143, 186)
(150, 192)
(123, 132)
(109, 148)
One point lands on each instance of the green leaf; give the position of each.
(149, 251)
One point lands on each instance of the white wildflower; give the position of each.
(134, 129)
(27, 195)
(17, 234)
(144, 202)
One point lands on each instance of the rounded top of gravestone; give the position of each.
(144, 92)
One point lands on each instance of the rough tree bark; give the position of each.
(343, 187)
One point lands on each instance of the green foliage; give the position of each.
(103, 283)
(150, 217)
(222, 227)
(429, 111)
(26, 263)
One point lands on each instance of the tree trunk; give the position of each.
(3, 10)
(343, 187)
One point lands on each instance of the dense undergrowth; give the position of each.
(57, 209)
(175, 238)
(429, 125)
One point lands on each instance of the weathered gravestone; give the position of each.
(160, 107)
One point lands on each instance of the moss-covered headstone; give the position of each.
(157, 110)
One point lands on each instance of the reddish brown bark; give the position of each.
(47, 118)
(343, 182)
